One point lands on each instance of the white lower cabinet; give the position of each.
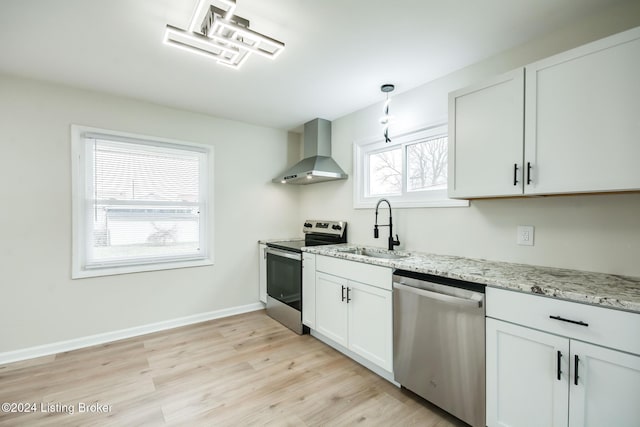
(309, 289)
(331, 308)
(262, 269)
(356, 316)
(544, 379)
(608, 389)
(522, 390)
(370, 323)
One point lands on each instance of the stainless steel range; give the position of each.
(284, 270)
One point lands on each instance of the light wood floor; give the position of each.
(241, 370)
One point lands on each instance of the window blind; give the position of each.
(144, 201)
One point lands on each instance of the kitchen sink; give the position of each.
(372, 254)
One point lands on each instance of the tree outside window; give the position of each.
(385, 172)
(427, 165)
(410, 172)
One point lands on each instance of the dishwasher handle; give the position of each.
(439, 296)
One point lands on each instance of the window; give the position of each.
(411, 171)
(139, 203)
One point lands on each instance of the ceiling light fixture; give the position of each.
(386, 119)
(216, 32)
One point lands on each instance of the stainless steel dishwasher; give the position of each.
(438, 342)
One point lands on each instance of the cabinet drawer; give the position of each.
(606, 327)
(373, 275)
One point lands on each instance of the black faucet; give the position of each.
(392, 242)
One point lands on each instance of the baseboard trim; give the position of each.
(91, 340)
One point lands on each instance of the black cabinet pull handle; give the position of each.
(343, 293)
(515, 174)
(348, 299)
(559, 361)
(528, 173)
(575, 322)
(575, 369)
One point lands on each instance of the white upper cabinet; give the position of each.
(486, 138)
(566, 124)
(582, 121)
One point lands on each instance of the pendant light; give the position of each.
(386, 119)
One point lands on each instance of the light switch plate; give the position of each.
(525, 235)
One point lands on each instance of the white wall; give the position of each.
(593, 232)
(39, 303)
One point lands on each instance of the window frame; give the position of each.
(80, 155)
(407, 199)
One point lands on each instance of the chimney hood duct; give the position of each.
(317, 165)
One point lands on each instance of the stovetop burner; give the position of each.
(292, 245)
(315, 233)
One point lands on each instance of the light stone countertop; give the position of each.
(289, 239)
(607, 290)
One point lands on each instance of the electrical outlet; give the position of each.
(525, 235)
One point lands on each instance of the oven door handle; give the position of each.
(285, 254)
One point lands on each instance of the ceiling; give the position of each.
(337, 54)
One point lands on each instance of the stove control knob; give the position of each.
(307, 225)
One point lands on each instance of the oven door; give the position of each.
(284, 277)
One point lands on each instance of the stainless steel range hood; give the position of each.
(317, 165)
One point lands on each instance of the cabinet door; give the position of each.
(309, 290)
(608, 389)
(581, 123)
(262, 271)
(486, 138)
(370, 324)
(523, 389)
(331, 310)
